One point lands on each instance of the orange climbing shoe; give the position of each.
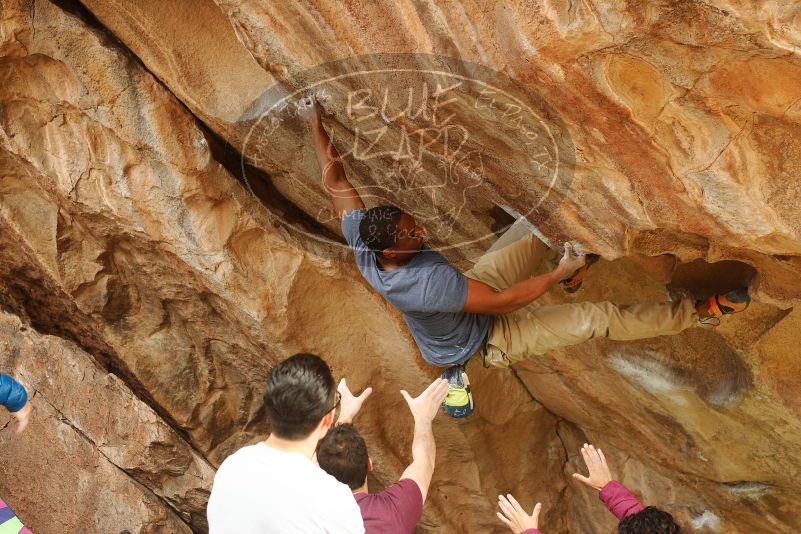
(573, 284)
(734, 301)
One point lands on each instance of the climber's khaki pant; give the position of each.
(535, 329)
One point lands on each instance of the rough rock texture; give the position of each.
(128, 230)
(91, 430)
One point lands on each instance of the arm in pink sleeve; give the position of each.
(532, 531)
(619, 500)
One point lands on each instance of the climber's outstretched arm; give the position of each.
(343, 194)
(482, 298)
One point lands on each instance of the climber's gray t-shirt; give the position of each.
(431, 294)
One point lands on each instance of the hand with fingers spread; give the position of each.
(425, 406)
(599, 475)
(570, 262)
(349, 403)
(514, 517)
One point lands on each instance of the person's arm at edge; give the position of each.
(619, 500)
(343, 195)
(424, 449)
(615, 496)
(15, 399)
(12, 394)
(482, 298)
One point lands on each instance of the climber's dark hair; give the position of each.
(379, 227)
(342, 453)
(651, 520)
(298, 393)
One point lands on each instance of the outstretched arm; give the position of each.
(617, 498)
(482, 298)
(599, 473)
(424, 450)
(343, 194)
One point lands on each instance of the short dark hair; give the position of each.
(651, 520)
(379, 227)
(298, 393)
(342, 453)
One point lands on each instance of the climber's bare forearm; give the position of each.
(482, 298)
(343, 195)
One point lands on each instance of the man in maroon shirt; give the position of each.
(343, 454)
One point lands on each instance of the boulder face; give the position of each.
(165, 240)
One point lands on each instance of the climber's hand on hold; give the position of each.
(596, 464)
(350, 404)
(570, 262)
(308, 109)
(514, 517)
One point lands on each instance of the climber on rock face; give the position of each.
(485, 311)
(343, 454)
(275, 485)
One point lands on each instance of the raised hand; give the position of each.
(20, 417)
(350, 404)
(570, 262)
(513, 515)
(597, 466)
(425, 406)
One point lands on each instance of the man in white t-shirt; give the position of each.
(275, 486)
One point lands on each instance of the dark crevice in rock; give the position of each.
(704, 279)
(559, 423)
(29, 292)
(501, 219)
(65, 420)
(253, 180)
(559, 420)
(523, 383)
(78, 10)
(260, 185)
